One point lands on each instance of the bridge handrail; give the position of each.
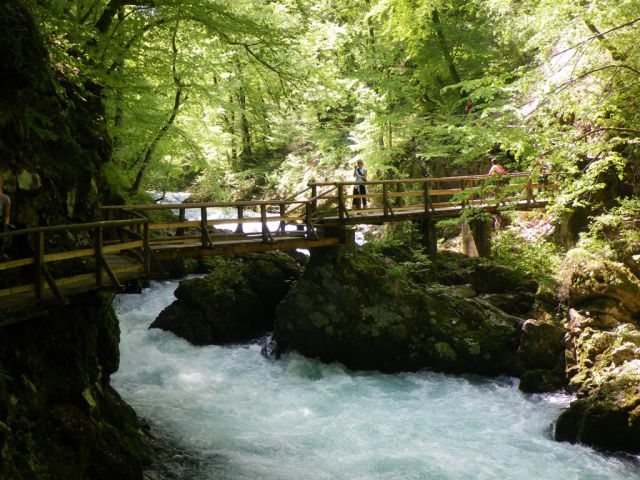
(179, 206)
(425, 179)
(38, 258)
(76, 226)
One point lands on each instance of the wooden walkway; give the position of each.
(133, 240)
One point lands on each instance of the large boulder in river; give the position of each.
(609, 417)
(371, 312)
(235, 302)
(542, 356)
(603, 354)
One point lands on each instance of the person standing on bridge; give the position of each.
(5, 216)
(360, 174)
(496, 168)
(5, 209)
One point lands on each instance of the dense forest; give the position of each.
(239, 100)
(232, 98)
(121, 101)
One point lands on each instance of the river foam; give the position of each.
(246, 416)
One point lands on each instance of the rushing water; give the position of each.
(243, 415)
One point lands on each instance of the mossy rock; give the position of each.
(609, 417)
(587, 277)
(235, 302)
(361, 310)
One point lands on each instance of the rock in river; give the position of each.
(369, 311)
(233, 303)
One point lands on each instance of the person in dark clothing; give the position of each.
(360, 174)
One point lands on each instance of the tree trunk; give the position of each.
(177, 101)
(615, 54)
(435, 17)
(247, 152)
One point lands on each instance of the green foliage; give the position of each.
(537, 259)
(273, 94)
(467, 215)
(615, 234)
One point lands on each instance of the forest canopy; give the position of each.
(233, 98)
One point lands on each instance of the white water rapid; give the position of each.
(245, 416)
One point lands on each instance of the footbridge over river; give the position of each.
(132, 241)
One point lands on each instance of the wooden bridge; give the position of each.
(132, 241)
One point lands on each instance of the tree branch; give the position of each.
(598, 35)
(604, 129)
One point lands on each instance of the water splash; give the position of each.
(243, 415)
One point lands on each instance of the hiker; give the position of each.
(360, 174)
(5, 210)
(5, 217)
(468, 107)
(496, 168)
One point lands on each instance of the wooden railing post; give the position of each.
(204, 236)
(38, 264)
(239, 228)
(529, 190)
(146, 250)
(308, 214)
(385, 199)
(314, 194)
(182, 217)
(98, 254)
(341, 205)
(427, 198)
(263, 220)
(283, 212)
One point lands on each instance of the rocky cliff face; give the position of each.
(59, 417)
(53, 139)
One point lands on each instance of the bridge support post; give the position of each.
(476, 238)
(346, 235)
(429, 236)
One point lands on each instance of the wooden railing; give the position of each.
(275, 219)
(54, 261)
(43, 251)
(445, 195)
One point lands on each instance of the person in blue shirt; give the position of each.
(360, 174)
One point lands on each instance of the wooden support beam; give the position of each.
(38, 259)
(385, 200)
(98, 256)
(52, 285)
(283, 213)
(314, 196)
(429, 235)
(112, 276)
(311, 231)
